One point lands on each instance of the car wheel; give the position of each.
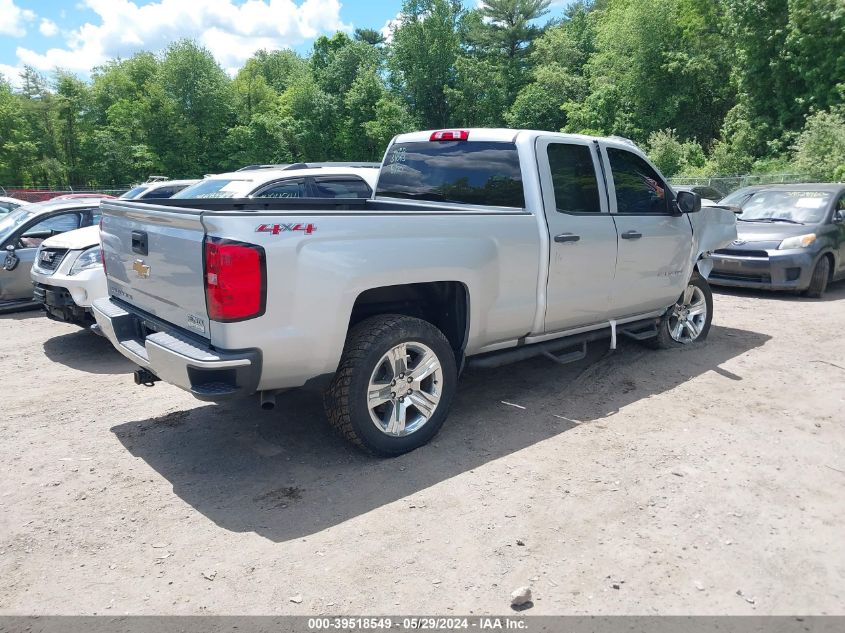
(688, 321)
(394, 385)
(818, 282)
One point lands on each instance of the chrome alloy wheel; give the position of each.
(404, 389)
(688, 316)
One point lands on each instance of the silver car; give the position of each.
(21, 233)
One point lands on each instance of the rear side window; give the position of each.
(292, 188)
(215, 188)
(485, 173)
(134, 193)
(639, 190)
(161, 192)
(574, 178)
(341, 188)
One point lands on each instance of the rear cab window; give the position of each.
(470, 172)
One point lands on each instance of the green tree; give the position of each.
(422, 57)
(558, 76)
(504, 31)
(658, 64)
(820, 149)
(673, 156)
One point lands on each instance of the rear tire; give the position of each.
(394, 385)
(818, 282)
(689, 320)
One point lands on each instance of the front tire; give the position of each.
(688, 321)
(394, 385)
(818, 282)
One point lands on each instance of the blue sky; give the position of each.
(79, 34)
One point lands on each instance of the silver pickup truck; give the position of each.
(480, 247)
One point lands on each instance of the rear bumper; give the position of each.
(781, 270)
(177, 358)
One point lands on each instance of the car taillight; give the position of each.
(235, 280)
(449, 135)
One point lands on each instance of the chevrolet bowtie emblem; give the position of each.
(141, 268)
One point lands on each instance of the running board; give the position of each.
(641, 334)
(638, 330)
(571, 357)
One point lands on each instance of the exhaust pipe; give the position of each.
(268, 400)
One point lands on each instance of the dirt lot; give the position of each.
(705, 480)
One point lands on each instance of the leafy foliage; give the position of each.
(707, 86)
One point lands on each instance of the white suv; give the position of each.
(68, 270)
(68, 275)
(300, 180)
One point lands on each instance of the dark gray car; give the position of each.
(789, 237)
(23, 230)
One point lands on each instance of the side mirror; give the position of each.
(11, 262)
(838, 216)
(688, 202)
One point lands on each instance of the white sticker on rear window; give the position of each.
(234, 185)
(810, 203)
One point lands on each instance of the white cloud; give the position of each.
(11, 74)
(13, 18)
(48, 28)
(232, 32)
(389, 26)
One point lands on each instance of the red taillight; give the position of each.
(449, 135)
(235, 280)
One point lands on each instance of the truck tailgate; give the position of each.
(154, 261)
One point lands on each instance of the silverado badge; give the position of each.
(141, 268)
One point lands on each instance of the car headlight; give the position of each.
(90, 258)
(799, 241)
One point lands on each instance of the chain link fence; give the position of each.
(727, 184)
(37, 194)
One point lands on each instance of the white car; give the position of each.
(68, 271)
(9, 204)
(157, 189)
(293, 181)
(68, 275)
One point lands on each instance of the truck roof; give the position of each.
(508, 135)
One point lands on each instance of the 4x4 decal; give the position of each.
(275, 229)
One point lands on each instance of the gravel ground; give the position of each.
(708, 480)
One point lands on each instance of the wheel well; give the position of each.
(832, 261)
(444, 304)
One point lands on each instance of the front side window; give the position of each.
(574, 178)
(40, 231)
(639, 190)
(291, 188)
(341, 188)
(471, 172)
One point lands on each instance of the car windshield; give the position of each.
(11, 221)
(738, 197)
(776, 205)
(216, 188)
(132, 193)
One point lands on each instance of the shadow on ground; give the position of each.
(85, 351)
(835, 292)
(283, 474)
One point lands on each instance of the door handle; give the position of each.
(631, 235)
(567, 237)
